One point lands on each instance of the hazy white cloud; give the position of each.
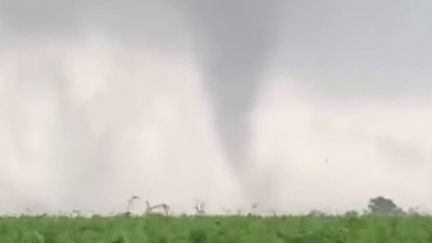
(371, 149)
(103, 99)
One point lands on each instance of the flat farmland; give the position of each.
(217, 229)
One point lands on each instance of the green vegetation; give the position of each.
(217, 229)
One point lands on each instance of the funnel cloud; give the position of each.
(235, 40)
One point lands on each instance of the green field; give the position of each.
(229, 229)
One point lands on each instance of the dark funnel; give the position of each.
(234, 40)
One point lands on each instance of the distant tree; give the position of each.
(316, 213)
(414, 211)
(383, 206)
(352, 213)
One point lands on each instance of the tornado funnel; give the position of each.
(234, 40)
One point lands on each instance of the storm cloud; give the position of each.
(105, 99)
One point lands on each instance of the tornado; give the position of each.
(234, 40)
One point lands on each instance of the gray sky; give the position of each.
(140, 97)
(370, 47)
(333, 44)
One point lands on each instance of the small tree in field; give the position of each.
(383, 206)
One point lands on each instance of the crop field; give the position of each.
(217, 229)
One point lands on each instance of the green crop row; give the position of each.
(217, 229)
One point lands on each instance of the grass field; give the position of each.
(229, 229)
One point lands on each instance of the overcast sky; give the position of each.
(114, 98)
(384, 42)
